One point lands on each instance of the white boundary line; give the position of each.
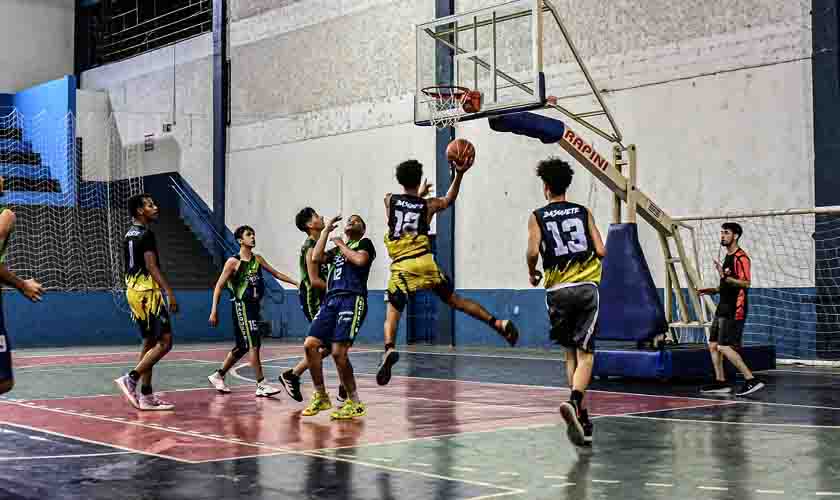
(91, 441)
(87, 366)
(50, 457)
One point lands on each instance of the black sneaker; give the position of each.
(587, 427)
(342, 394)
(717, 388)
(383, 376)
(291, 384)
(574, 427)
(510, 332)
(750, 386)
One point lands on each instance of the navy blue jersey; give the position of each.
(344, 277)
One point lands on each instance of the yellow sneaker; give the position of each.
(319, 403)
(349, 410)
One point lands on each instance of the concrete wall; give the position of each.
(37, 41)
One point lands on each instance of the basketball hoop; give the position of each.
(448, 103)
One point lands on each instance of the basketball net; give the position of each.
(445, 104)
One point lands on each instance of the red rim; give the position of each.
(445, 91)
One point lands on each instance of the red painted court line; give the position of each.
(245, 426)
(209, 354)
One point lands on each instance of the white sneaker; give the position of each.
(218, 382)
(151, 402)
(265, 390)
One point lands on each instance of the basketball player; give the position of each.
(341, 315)
(564, 234)
(30, 289)
(413, 266)
(731, 313)
(313, 286)
(242, 274)
(144, 281)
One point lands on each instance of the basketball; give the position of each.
(459, 150)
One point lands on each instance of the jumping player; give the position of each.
(564, 234)
(413, 266)
(242, 274)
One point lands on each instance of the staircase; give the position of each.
(21, 167)
(184, 260)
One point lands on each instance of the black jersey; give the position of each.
(408, 227)
(568, 254)
(138, 240)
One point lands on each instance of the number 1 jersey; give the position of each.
(568, 254)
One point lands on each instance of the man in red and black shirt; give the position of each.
(728, 325)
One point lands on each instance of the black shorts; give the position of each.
(573, 314)
(727, 331)
(5, 354)
(247, 320)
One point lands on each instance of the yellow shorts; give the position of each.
(411, 275)
(149, 310)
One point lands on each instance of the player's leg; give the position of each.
(350, 320)
(720, 386)
(217, 378)
(320, 333)
(291, 377)
(503, 327)
(396, 304)
(577, 308)
(732, 332)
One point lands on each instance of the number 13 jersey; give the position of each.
(566, 247)
(408, 227)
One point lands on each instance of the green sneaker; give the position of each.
(319, 403)
(349, 410)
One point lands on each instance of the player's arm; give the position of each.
(440, 204)
(387, 209)
(154, 270)
(359, 258)
(319, 252)
(532, 254)
(313, 271)
(277, 274)
(228, 270)
(600, 249)
(31, 289)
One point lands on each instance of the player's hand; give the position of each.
(551, 100)
(426, 189)
(32, 290)
(466, 165)
(706, 291)
(336, 240)
(173, 304)
(332, 224)
(214, 319)
(535, 277)
(719, 268)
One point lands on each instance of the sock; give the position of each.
(492, 322)
(146, 390)
(133, 375)
(577, 398)
(221, 372)
(355, 397)
(320, 389)
(260, 381)
(390, 345)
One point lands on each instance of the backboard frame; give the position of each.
(536, 9)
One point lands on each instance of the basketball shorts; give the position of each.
(149, 311)
(247, 320)
(339, 319)
(727, 331)
(573, 315)
(418, 273)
